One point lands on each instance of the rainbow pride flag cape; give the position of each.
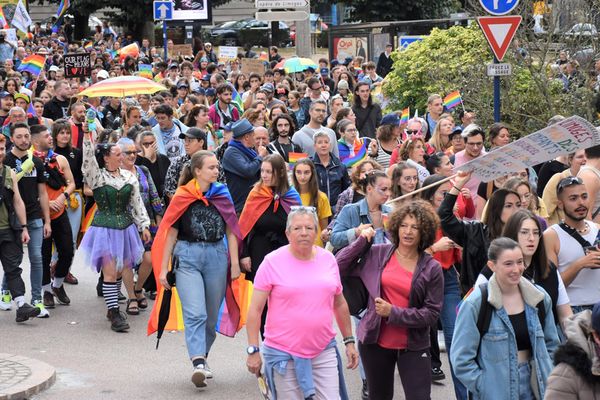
(33, 64)
(452, 100)
(405, 116)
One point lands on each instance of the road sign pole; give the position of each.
(496, 95)
(165, 39)
(303, 47)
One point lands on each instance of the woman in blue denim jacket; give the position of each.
(512, 360)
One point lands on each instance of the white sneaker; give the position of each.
(207, 371)
(441, 341)
(43, 312)
(5, 300)
(199, 376)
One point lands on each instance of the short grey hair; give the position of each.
(16, 109)
(301, 210)
(321, 134)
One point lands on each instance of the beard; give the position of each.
(576, 218)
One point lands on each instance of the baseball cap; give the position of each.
(102, 74)
(391, 119)
(206, 78)
(200, 91)
(53, 68)
(6, 94)
(211, 92)
(173, 65)
(310, 69)
(182, 85)
(456, 131)
(194, 133)
(324, 71)
(268, 87)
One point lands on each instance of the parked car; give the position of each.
(582, 30)
(250, 31)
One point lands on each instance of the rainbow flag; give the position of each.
(360, 153)
(294, 157)
(63, 7)
(3, 21)
(452, 100)
(88, 46)
(145, 71)
(405, 116)
(31, 110)
(33, 64)
(132, 50)
(112, 54)
(237, 100)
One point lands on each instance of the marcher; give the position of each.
(512, 358)
(405, 287)
(301, 359)
(200, 216)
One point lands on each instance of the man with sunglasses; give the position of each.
(573, 245)
(315, 92)
(157, 163)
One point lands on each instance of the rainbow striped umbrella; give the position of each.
(122, 86)
(298, 64)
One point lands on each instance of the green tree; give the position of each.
(456, 59)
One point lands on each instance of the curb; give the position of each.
(22, 377)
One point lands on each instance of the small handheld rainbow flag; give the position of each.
(88, 46)
(452, 100)
(360, 154)
(3, 21)
(33, 64)
(145, 71)
(405, 116)
(294, 157)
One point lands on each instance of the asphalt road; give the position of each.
(93, 362)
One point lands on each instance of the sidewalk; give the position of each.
(22, 377)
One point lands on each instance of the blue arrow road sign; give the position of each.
(499, 7)
(163, 10)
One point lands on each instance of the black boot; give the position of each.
(118, 323)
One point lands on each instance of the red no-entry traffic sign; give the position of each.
(499, 32)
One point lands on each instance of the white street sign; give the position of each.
(281, 15)
(271, 4)
(499, 69)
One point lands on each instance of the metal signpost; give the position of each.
(497, 38)
(289, 10)
(163, 11)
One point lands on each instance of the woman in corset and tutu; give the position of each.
(113, 243)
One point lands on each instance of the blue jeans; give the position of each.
(35, 227)
(448, 318)
(578, 309)
(525, 391)
(201, 279)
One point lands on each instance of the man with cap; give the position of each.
(194, 139)
(242, 163)
(102, 75)
(210, 53)
(324, 72)
(173, 73)
(309, 72)
(269, 90)
(577, 371)
(385, 62)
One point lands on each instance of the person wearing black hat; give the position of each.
(385, 62)
(577, 371)
(194, 139)
(242, 163)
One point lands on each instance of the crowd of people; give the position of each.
(298, 184)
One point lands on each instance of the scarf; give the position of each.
(217, 195)
(258, 201)
(250, 153)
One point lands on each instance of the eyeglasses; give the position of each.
(475, 144)
(129, 153)
(566, 182)
(316, 88)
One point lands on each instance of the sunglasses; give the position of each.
(148, 144)
(309, 209)
(128, 153)
(412, 132)
(566, 182)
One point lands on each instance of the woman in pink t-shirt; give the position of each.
(302, 285)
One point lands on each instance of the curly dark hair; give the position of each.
(426, 217)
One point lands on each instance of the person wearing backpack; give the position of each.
(509, 355)
(405, 293)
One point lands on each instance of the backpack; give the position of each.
(353, 288)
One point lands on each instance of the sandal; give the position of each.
(132, 309)
(142, 301)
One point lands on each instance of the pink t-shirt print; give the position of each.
(300, 316)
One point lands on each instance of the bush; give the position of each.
(456, 59)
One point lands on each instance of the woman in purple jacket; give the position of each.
(406, 288)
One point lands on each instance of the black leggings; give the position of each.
(63, 241)
(380, 364)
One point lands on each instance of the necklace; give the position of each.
(111, 171)
(403, 256)
(583, 231)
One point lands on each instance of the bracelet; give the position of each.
(349, 339)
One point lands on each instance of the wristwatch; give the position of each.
(252, 349)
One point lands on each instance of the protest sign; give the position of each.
(78, 65)
(227, 53)
(252, 65)
(181, 50)
(562, 138)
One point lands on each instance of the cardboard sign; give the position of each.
(228, 53)
(565, 137)
(250, 65)
(11, 35)
(181, 50)
(78, 65)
